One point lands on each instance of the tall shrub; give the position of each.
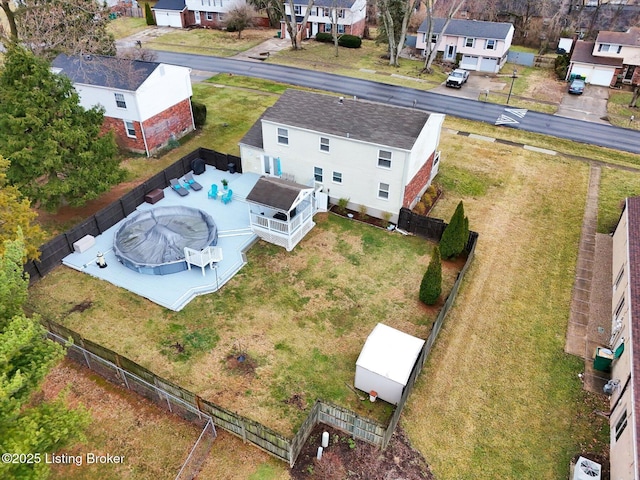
(431, 285)
(148, 15)
(455, 236)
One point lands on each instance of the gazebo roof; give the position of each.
(277, 193)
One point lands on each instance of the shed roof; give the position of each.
(176, 5)
(470, 28)
(105, 71)
(276, 193)
(390, 353)
(362, 120)
(583, 53)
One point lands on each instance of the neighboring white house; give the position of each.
(378, 156)
(146, 104)
(625, 337)
(483, 46)
(385, 363)
(350, 16)
(170, 13)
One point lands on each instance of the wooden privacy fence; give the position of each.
(52, 252)
(190, 406)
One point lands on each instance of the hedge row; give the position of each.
(347, 41)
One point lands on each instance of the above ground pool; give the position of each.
(153, 241)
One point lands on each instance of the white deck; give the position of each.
(176, 290)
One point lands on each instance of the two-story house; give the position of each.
(348, 15)
(378, 156)
(613, 59)
(146, 104)
(625, 337)
(481, 46)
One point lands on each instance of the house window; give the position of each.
(297, 9)
(283, 136)
(120, 100)
(384, 159)
(490, 45)
(130, 128)
(383, 190)
(618, 278)
(341, 13)
(340, 28)
(434, 38)
(327, 28)
(221, 16)
(324, 144)
(469, 42)
(337, 177)
(209, 16)
(325, 12)
(317, 174)
(618, 310)
(608, 48)
(621, 424)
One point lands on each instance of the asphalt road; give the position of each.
(572, 129)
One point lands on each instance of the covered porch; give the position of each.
(281, 212)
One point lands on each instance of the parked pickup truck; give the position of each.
(457, 78)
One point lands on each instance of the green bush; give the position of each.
(324, 37)
(561, 66)
(455, 235)
(431, 285)
(342, 205)
(199, 113)
(350, 41)
(148, 15)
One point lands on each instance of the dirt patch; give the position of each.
(81, 307)
(241, 363)
(346, 459)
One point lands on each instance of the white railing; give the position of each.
(282, 227)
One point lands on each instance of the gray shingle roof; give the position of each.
(631, 37)
(356, 119)
(275, 193)
(105, 71)
(470, 28)
(327, 3)
(177, 5)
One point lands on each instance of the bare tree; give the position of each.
(48, 27)
(431, 48)
(138, 53)
(11, 19)
(292, 24)
(395, 15)
(240, 18)
(273, 8)
(636, 96)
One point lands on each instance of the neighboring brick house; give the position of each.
(378, 156)
(350, 16)
(481, 46)
(146, 103)
(198, 13)
(613, 59)
(625, 337)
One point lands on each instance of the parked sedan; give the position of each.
(577, 86)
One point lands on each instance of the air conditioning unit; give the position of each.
(586, 470)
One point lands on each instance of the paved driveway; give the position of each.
(475, 88)
(591, 106)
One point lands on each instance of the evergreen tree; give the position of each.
(148, 15)
(455, 235)
(55, 146)
(28, 425)
(431, 285)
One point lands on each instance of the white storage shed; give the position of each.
(386, 361)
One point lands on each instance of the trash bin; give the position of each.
(112, 16)
(603, 359)
(232, 168)
(279, 34)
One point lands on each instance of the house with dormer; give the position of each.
(146, 104)
(476, 45)
(377, 156)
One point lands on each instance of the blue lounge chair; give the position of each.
(176, 187)
(213, 193)
(188, 179)
(226, 198)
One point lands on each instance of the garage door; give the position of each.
(601, 76)
(469, 62)
(583, 71)
(168, 19)
(489, 65)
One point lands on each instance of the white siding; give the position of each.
(425, 145)
(387, 389)
(219, 6)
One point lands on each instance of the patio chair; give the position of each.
(202, 258)
(188, 178)
(178, 188)
(226, 198)
(213, 193)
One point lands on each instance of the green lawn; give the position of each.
(619, 111)
(615, 186)
(123, 27)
